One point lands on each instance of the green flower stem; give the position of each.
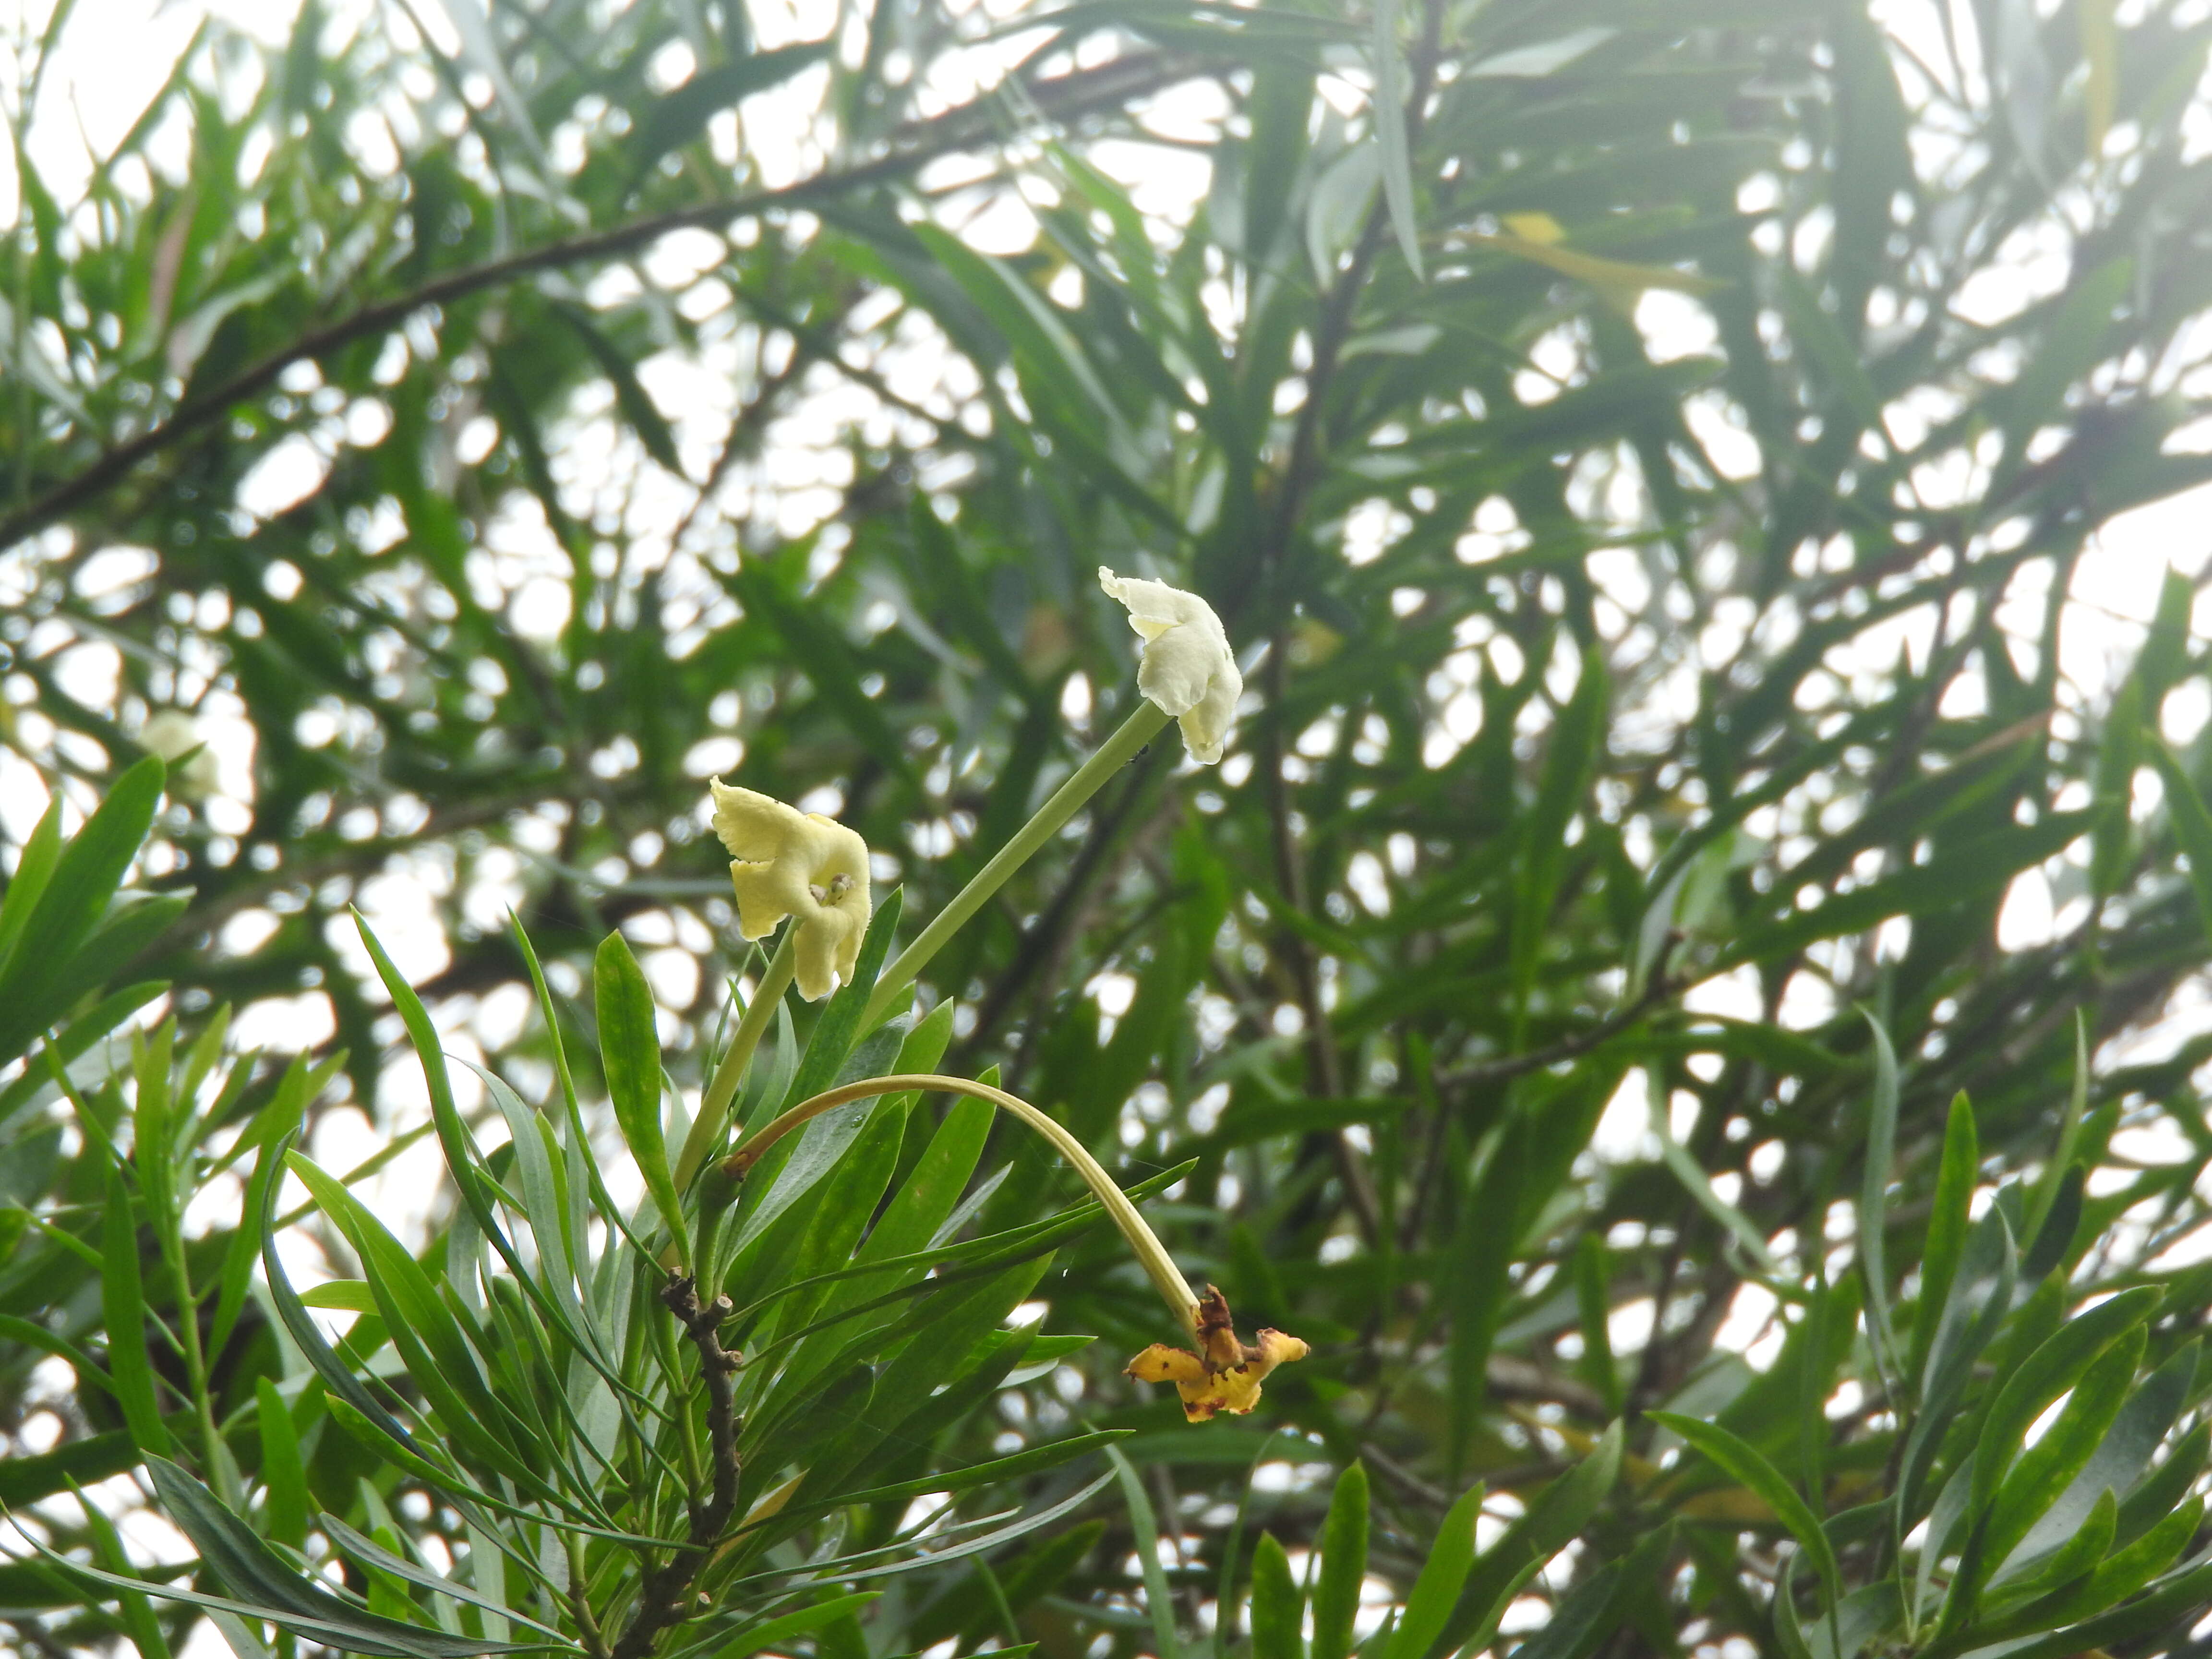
(715, 1105)
(1117, 751)
(1151, 1254)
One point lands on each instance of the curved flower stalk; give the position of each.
(1187, 669)
(784, 862)
(1150, 1254)
(722, 1087)
(1223, 1376)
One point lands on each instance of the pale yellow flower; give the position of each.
(801, 865)
(1187, 669)
(1224, 1375)
(171, 733)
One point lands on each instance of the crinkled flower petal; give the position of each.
(1226, 1376)
(1187, 669)
(790, 863)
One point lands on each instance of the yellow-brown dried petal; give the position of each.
(1161, 1363)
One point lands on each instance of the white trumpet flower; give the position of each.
(790, 863)
(1187, 670)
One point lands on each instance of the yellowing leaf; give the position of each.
(2100, 51)
(1537, 228)
(1537, 238)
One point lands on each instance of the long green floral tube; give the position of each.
(1223, 1374)
(1117, 751)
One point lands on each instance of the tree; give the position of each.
(1656, 464)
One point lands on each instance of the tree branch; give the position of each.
(1332, 331)
(1057, 98)
(1660, 991)
(664, 1599)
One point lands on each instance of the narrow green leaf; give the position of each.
(454, 1137)
(124, 1304)
(638, 411)
(1744, 1464)
(1874, 1195)
(145, 1630)
(34, 864)
(2089, 1545)
(276, 1121)
(369, 1553)
(1577, 743)
(1592, 1610)
(337, 1376)
(285, 1596)
(2192, 827)
(2100, 51)
(1552, 1523)
(2180, 1596)
(1979, 1301)
(1443, 1572)
(72, 899)
(1390, 137)
(673, 120)
(27, 1479)
(1955, 1180)
(2049, 1466)
(1278, 1608)
(1144, 1529)
(1975, 868)
(1838, 357)
(2164, 659)
(284, 1475)
(774, 1633)
(2048, 1372)
(1687, 1171)
(438, 1356)
(1343, 1565)
(2120, 1460)
(1592, 1304)
(993, 1472)
(981, 1543)
(629, 1049)
(2070, 349)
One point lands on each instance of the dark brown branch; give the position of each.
(665, 1598)
(1333, 331)
(1660, 991)
(1056, 99)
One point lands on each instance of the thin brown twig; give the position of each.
(1059, 98)
(1661, 990)
(664, 1599)
(1332, 331)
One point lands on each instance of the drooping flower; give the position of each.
(789, 863)
(1224, 1375)
(171, 734)
(1187, 669)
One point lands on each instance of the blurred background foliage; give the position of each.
(1690, 483)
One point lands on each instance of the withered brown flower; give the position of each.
(1225, 1374)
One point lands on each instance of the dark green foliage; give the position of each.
(1660, 467)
